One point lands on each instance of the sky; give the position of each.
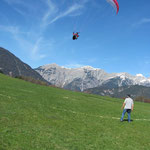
(39, 32)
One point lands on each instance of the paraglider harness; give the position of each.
(75, 35)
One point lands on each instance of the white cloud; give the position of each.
(52, 9)
(56, 12)
(141, 22)
(36, 48)
(39, 48)
(21, 7)
(11, 29)
(19, 11)
(70, 10)
(33, 48)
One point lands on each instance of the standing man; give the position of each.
(127, 106)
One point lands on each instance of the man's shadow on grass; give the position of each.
(127, 120)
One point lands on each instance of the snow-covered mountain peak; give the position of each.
(89, 68)
(139, 75)
(123, 75)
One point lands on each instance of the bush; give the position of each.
(32, 80)
(1, 71)
(142, 99)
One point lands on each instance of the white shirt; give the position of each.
(128, 103)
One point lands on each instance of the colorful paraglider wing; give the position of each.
(115, 4)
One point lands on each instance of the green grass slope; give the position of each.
(34, 117)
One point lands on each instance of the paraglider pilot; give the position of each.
(75, 35)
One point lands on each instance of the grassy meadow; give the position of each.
(35, 117)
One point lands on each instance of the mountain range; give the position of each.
(83, 79)
(87, 77)
(96, 81)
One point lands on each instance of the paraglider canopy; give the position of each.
(115, 4)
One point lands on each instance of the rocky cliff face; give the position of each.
(86, 77)
(78, 78)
